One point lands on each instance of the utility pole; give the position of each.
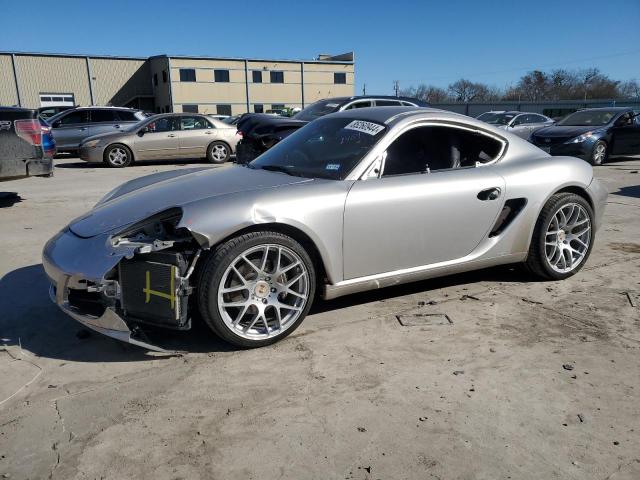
(364, 89)
(396, 87)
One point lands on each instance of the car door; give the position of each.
(158, 139)
(521, 126)
(626, 135)
(68, 130)
(103, 120)
(411, 220)
(195, 134)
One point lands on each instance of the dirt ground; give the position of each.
(526, 380)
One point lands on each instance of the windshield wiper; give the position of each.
(280, 168)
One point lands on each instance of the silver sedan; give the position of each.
(163, 137)
(522, 124)
(356, 200)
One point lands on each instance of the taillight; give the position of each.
(29, 130)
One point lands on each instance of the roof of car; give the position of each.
(102, 107)
(389, 115)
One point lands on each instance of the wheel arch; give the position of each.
(577, 190)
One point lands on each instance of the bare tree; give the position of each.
(630, 89)
(427, 93)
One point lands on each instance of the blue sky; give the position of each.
(410, 41)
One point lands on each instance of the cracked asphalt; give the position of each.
(528, 380)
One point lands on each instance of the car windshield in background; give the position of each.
(317, 110)
(588, 118)
(327, 148)
(498, 118)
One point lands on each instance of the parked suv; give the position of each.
(26, 146)
(262, 131)
(71, 127)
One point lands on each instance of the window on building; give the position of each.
(339, 77)
(423, 149)
(221, 76)
(187, 74)
(276, 77)
(190, 108)
(164, 76)
(258, 108)
(155, 79)
(98, 116)
(223, 109)
(57, 100)
(257, 76)
(277, 106)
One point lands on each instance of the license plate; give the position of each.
(546, 149)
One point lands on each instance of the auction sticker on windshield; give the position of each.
(369, 128)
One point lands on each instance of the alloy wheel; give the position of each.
(219, 153)
(117, 156)
(263, 291)
(599, 153)
(568, 237)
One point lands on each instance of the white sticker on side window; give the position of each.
(365, 127)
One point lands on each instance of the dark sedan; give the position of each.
(592, 134)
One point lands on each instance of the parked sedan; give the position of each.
(356, 200)
(163, 137)
(522, 124)
(72, 126)
(593, 134)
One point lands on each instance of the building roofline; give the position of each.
(192, 57)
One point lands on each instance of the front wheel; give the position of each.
(218, 152)
(117, 156)
(562, 238)
(256, 289)
(599, 153)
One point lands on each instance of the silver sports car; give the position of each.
(356, 200)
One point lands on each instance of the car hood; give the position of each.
(143, 197)
(258, 124)
(557, 131)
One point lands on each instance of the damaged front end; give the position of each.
(117, 281)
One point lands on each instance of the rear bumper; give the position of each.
(77, 264)
(14, 168)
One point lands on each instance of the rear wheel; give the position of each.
(218, 152)
(599, 153)
(256, 288)
(117, 156)
(562, 238)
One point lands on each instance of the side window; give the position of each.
(166, 124)
(363, 104)
(388, 103)
(79, 116)
(98, 116)
(539, 119)
(125, 116)
(519, 120)
(193, 123)
(432, 148)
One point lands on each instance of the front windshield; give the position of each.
(317, 110)
(588, 118)
(327, 148)
(498, 118)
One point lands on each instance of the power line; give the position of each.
(518, 69)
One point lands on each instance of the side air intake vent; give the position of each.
(510, 211)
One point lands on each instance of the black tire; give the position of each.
(537, 262)
(218, 152)
(212, 273)
(599, 153)
(117, 161)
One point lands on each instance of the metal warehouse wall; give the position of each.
(118, 81)
(42, 74)
(8, 94)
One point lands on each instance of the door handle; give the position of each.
(489, 194)
(116, 126)
(171, 135)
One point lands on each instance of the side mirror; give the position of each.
(141, 132)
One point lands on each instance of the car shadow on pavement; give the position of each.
(143, 163)
(30, 320)
(9, 199)
(630, 191)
